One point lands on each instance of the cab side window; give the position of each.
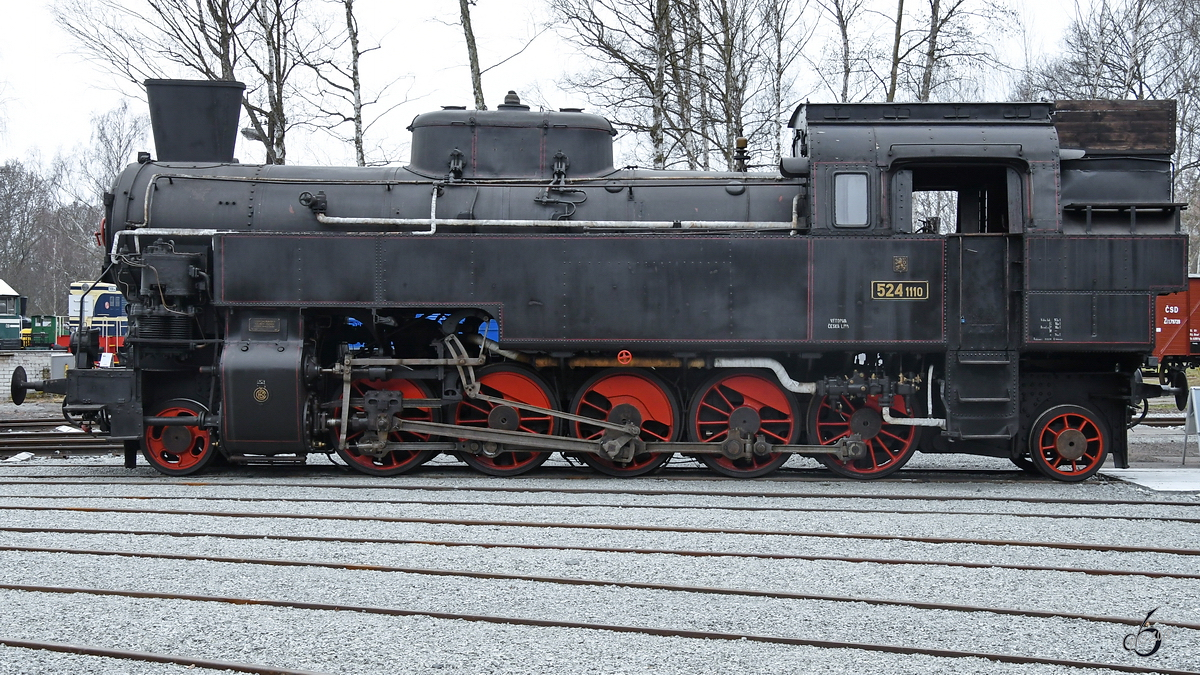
(850, 200)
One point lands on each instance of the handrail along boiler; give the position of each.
(736, 317)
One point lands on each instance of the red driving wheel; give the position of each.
(178, 450)
(622, 395)
(396, 461)
(512, 383)
(889, 446)
(753, 402)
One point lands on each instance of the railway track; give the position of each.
(1163, 421)
(41, 437)
(616, 527)
(31, 423)
(590, 626)
(725, 508)
(522, 486)
(52, 443)
(301, 539)
(150, 657)
(171, 565)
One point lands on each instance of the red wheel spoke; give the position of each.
(471, 405)
(1048, 431)
(595, 407)
(888, 446)
(725, 398)
(771, 434)
(519, 385)
(723, 413)
(871, 454)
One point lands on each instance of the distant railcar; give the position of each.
(102, 309)
(47, 332)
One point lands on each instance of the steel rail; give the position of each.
(608, 549)
(58, 449)
(1070, 546)
(601, 505)
(37, 438)
(644, 630)
(51, 436)
(1165, 421)
(38, 422)
(518, 486)
(127, 655)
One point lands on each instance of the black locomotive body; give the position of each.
(510, 294)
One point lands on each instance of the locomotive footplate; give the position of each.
(483, 441)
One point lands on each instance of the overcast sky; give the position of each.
(48, 92)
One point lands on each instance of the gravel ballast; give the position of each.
(353, 642)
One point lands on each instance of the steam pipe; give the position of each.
(770, 364)
(912, 421)
(918, 420)
(432, 214)
(494, 347)
(594, 224)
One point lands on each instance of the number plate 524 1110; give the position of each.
(899, 290)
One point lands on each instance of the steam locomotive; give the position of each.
(510, 293)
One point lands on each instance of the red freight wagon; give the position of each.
(1176, 340)
(1177, 326)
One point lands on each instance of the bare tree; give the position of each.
(631, 41)
(250, 40)
(899, 36)
(342, 98)
(844, 14)
(728, 23)
(464, 10)
(688, 78)
(45, 239)
(116, 136)
(955, 45)
(785, 37)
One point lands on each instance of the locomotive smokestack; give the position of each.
(194, 120)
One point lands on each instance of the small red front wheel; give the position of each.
(1068, 443)
(178, 450)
